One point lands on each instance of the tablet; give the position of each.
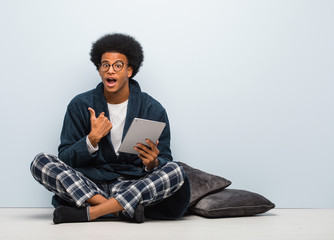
(139, 130)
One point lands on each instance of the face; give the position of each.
(116, 83)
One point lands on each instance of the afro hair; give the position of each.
(119, 43)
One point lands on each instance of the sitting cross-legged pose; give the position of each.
(90, 177)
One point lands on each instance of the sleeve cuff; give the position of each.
(90, 147)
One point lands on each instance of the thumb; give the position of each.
(92, 113)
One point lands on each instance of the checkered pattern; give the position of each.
(158, 185)
(63, 180)
(73, 186)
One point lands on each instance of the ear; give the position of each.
(129, 71)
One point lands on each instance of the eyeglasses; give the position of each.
(117, 66)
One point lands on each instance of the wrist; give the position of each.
(93, 140)
(90, 147)
(151, 166)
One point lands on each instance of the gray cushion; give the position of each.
(202, 183)
(232, 203)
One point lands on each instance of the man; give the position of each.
(91, 178)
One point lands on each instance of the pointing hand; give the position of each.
(100, 127)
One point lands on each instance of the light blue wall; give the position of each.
(248, 86)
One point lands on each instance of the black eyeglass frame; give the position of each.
(108, 68)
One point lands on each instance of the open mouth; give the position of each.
(111, 82)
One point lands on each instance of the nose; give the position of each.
(111, 70)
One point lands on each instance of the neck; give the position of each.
(116, 98)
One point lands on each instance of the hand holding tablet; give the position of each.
(140, 130)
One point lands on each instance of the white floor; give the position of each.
(36, 223)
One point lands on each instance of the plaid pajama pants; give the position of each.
(73, 186)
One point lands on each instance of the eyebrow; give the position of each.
(118, 60)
